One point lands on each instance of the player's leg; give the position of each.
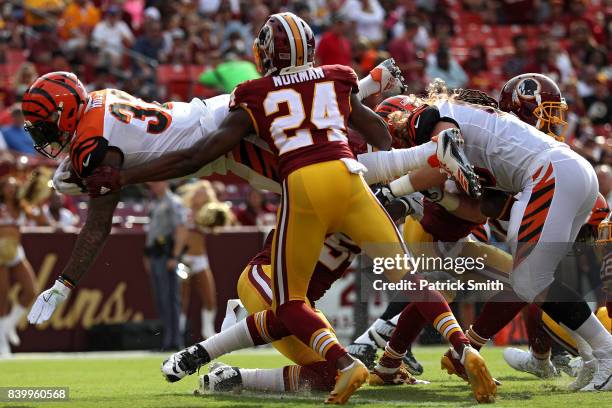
(21, 272)
(370, 226)
(552, 210)
(5, 348)
(312, 201)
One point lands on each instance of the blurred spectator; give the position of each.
(403, 50)
(45, 42)
(166, 235)
(368, 17)
(518, 62)
(303, 10)
(604, 177)
(230, 73)
(256, 211)
(583, 48)
(25, 75)
(78, 20)
(334, 47)
(587, 81)
(599, 105)
(544, 62)
(476, 67)
(152, 43)
(16, 138)
(111, 35)
(134, 10)
(518, 11)
(42, 12)
(443, 66)
(57, 214)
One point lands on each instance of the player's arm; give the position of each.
(89, 242)
(369, 124)
(181, 163)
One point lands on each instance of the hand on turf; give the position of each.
(104, 179)
(47, 301)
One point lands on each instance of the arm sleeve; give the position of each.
(389, 165)
(87, 154)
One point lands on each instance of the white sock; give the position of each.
(208, 322)
(367, 87)
(389, 165)
(596, 335)
(365, 337)
(258, 379)
(401, 186)
(236, 337)
(17, 312)
(584, 350)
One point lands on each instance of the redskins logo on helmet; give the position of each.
(52, 106)
(536, 99)
(397, 112)
(285, 41)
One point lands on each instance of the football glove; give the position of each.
(61, 180)
(47, 301)
(104, 179)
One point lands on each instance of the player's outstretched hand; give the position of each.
(47, 301)
(64, 181)
(103, 180)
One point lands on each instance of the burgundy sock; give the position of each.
(302, 321)
(495, 315)
(265, 327)
(409, 325)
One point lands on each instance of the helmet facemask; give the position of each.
(48, 139)
(551, 119)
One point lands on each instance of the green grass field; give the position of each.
(136, 382)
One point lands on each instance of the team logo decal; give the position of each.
(528, 88)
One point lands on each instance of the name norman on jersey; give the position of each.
(302, 116)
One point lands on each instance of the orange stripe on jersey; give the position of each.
(299, 43)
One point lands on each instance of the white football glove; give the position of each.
(47, 301)
(62, 173)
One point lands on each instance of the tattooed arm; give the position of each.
(96, 229)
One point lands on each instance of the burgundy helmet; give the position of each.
(536, 100)
(284, 41)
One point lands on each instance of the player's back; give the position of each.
(142, 131)
(302, 115)
(498, 141)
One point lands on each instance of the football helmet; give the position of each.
(396, 111)
(604, 230)
(52, 107)
(537, 100)
(285, 41)
(589, 231)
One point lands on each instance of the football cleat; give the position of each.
(564, 362)
(394, 377)
(12, 336)
(184, 362)
(381, 333)
(585, 375)
(524, 361)
(347, 382)
(451, 158)
(602, 380)
(412, 364)
(483, 385)
(366, 353)
(389, 76)
(453, 366)
(220, 378)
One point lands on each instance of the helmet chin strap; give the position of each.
(299, 68)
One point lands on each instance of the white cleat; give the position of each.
(390, 78)
(220, 378)
(12, 336)
(585, 375)
(524, 361)
(5, 348)
(602, 380)
(184, 363)
(451, 158)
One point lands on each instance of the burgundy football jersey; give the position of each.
(303, 116)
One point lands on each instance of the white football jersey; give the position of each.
(144, 131)
(498, 143)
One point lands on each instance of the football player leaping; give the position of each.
(303, 112)
(111, 127)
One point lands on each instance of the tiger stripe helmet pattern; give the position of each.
(52, 107)
(397, 111)
(285, 41)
